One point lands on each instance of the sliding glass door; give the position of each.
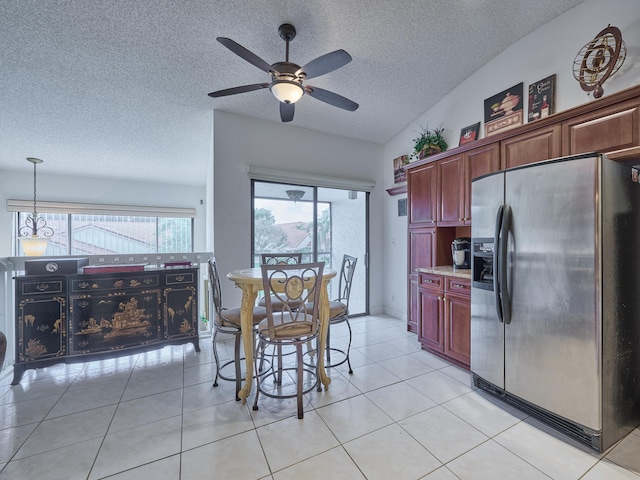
(321, 223)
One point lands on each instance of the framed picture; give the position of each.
(402, 207)
(399, 173)
(542, 98)
(503, 111)
(469, 134)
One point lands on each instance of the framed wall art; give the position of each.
(542, 98)
(503, 111)
(399, 173)
(469, 134)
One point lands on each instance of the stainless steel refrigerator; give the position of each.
(555, 297)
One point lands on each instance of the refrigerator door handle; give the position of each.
(496, 263)
(505, 299)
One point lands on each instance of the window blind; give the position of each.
(308, 179)
(100, 209)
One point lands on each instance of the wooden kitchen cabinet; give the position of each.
(451, 192)
(611, 128)
(445, 321)
(478, 162)
(455, 175)
(431, 326)
(457, 320)
(413, 303)
(530, 147)
(422, 187)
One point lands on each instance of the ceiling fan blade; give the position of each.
(325, 64)
(242, 89)
(286, 111)
(246, 54)
(331, 98)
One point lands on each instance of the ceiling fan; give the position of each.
(287, 78)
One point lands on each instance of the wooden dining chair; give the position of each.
(286, 327)
(227, 320)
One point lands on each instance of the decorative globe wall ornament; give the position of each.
(599, 59)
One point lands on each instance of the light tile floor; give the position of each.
(403, 414)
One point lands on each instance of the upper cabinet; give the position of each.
(614, 127)
(452, 190)
(478, 162)
(422, 185)
(530, 147)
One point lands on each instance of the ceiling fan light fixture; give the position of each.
(295, 195)
(287, 91)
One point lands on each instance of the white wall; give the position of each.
(550, 49)
(241, 141)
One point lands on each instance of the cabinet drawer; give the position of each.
(47, 287)
(460, 286)
(180, 278)
(429, 280)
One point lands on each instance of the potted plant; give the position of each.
(429, 142)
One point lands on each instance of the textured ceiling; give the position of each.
(119, 88)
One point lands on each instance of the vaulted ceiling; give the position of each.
(119, 88)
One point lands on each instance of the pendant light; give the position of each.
(35, 234)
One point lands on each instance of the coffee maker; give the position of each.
(461, 253)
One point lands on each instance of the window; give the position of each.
(115, 232)
(321, 223)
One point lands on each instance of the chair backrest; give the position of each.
(214, 287)
(280, 258)
(346, 279)
(287, 285)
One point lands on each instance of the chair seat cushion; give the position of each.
(231, 316)
(284, 327)
(276, 303)
(336, 309)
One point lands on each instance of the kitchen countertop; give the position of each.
(447, 270)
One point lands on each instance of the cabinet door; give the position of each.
(180, 304)
(478, 162)
(457, 320)
(608, 129)
(421, 248)
(422, 189)
(430, 332)
(40, 319)
(535, 146)
(413, 313)
(451, 201)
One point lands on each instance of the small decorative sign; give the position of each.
(399, 173)
(503, 111)
(542, 98)
(469, 134)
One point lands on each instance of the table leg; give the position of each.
(246, 325)
(324, 328)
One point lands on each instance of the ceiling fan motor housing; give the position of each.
(287, 32)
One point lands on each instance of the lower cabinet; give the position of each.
(80, 317)
(445, 316)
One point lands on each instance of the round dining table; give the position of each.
(249, 280)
